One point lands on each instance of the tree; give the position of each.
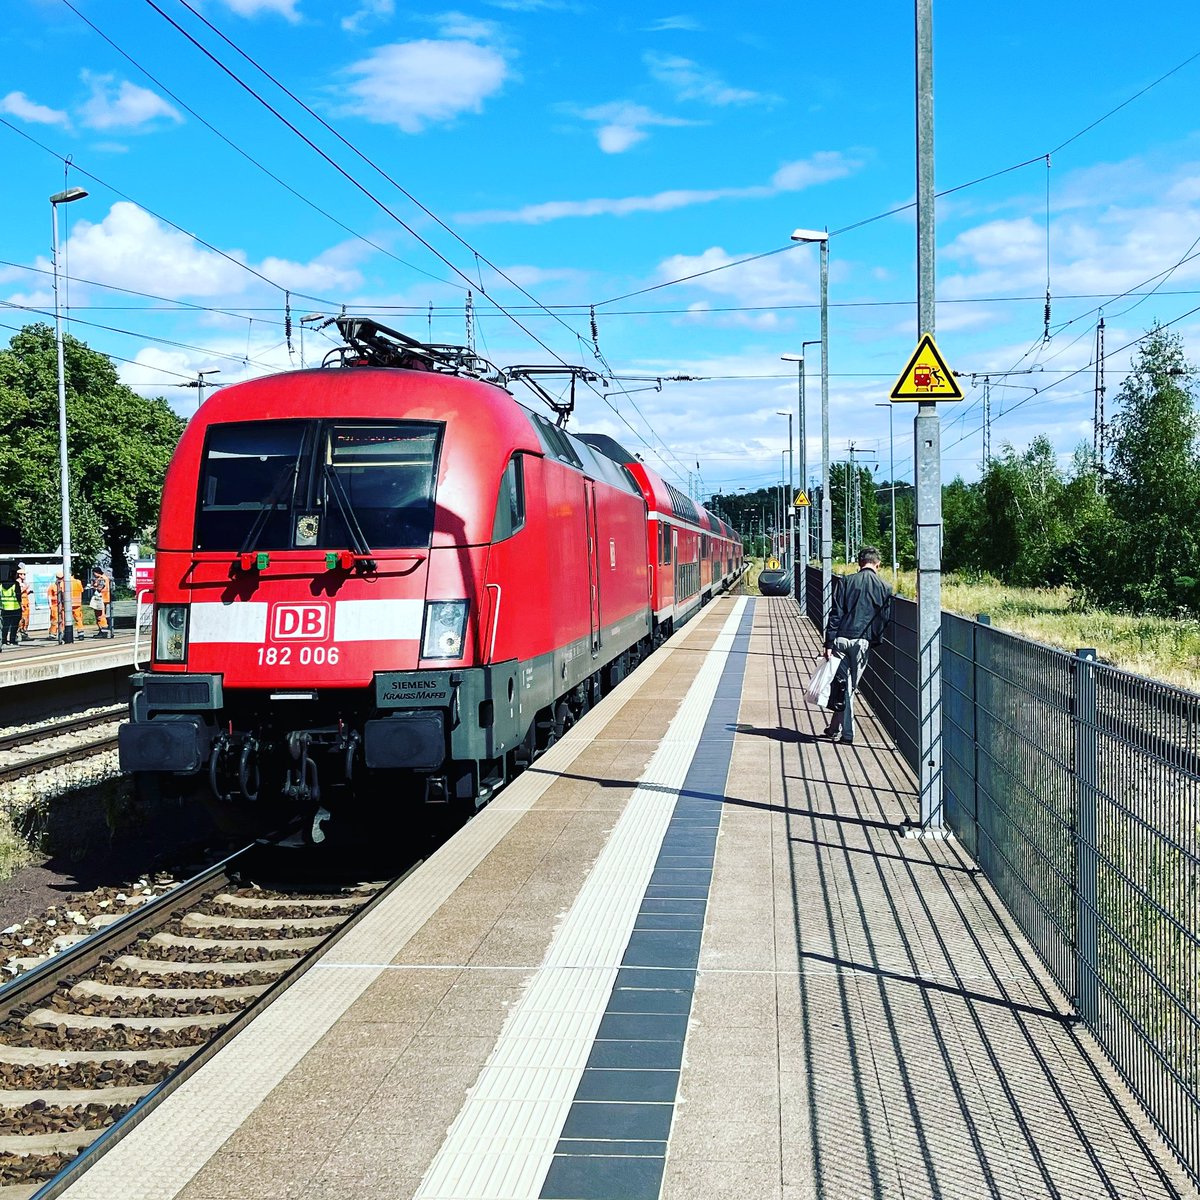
(118, 447)
(1155, 482)
(962, 527)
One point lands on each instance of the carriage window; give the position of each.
(510, 503)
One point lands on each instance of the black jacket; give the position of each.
(862, 608)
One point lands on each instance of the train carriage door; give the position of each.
(589, 507)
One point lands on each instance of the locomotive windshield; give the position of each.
(328, 485)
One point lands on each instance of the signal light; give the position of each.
(254, 561)
(339, 559)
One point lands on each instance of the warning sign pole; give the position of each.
(928, 457)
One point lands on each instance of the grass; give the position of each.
(1163, 648)
(15, 852)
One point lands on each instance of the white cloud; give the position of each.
(369, 12)
(456, 25)
(119, 104)
(18, 105)
(415, 84)
(821, 167)
(786, 278)
(623, 125)
(701, 313)
(530, 276)
(669, 24)
(253, 8)
(130, 249)
(689, 81)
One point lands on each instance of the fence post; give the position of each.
(1087, 990)
(980, 619)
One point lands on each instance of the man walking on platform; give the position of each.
(861, 610)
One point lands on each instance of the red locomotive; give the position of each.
(394, 573)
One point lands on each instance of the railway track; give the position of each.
(93, 1037)
(57, 743)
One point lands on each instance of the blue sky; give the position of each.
(592, 153)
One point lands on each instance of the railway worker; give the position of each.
(102, 588)
(26, 602)
(76, 604)
(10, 608)
(54, 596)
(858, 617)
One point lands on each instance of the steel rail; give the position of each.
(91, 1154)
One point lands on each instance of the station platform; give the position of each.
(42, 659)
(690, 953)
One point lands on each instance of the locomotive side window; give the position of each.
(386, 473)
(510, 503)
(248, 480)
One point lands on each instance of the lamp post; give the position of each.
(68, 626)
(822, 236)
(800, 568)
(789, 519)
(892, 481)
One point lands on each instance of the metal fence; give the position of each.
(1076, 787)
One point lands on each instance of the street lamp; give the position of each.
(68, 625)
(789, 520)
(891, 480)
(822, 236)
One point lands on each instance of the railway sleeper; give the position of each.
(202, 943)
(45, 1056)
(162, 966)
(70, 1141)
(50, 1016)
(62, 1097)
(87, 990)
(194, 920)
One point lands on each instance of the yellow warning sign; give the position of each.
(802, 500)
(926, 377)
(772, 564)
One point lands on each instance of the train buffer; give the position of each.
(689, 953)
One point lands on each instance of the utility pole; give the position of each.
(927, 456)
(1098, 447)
(987, 422)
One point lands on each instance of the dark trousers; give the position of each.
(10, 619)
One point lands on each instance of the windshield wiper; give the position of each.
(358, 540)
(269, 506)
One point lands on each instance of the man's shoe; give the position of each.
(846, 741)
(833, 729)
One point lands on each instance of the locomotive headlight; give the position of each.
(170, 632)
(445, 628)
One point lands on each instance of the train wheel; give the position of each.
(563, 719)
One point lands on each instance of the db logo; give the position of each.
(309, 622)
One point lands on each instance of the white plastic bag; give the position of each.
(817, 692)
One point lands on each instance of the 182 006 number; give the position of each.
(315, 656)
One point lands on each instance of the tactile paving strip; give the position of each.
(502, 1144)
